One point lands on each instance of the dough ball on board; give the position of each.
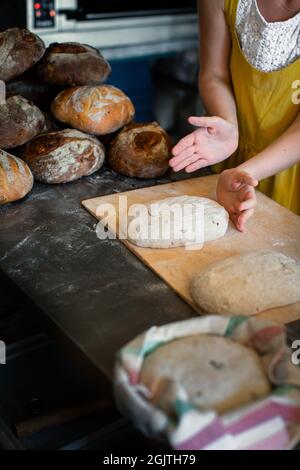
(71, 63)
(247, 284)
(94, 109)
(19, 50)
(140, 151)
(20, 121)
(16, 179)
(63, 156)
(169, 234)
(217, 373)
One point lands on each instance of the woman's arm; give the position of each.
(215, 46)
(217, 136)
(235, 188)
(280, 155)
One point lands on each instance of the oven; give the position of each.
(119, 28)
(133, 35)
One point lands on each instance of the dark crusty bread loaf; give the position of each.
(19, 50)
(33, 89)
(20, 121)
(141, 151)
(72, 64)
(97, 110)
(15, 178)
(63, 156)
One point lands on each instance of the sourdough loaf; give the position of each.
(97, 110)
(140, 150)
(20, 121)
(63, 156)
(15, 178)
(19, 50)
(31, 88)
(247, 284)
(177, 221)
(72, 64)
(217, 373)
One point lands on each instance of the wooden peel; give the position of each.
(2, 92)
(271, 228)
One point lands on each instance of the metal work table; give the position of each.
(96, 293)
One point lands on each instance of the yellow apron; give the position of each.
(265, 111)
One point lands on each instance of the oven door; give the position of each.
(96, 9)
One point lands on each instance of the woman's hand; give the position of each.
(235, 192)
(214, 141)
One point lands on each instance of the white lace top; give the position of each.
(267, 46)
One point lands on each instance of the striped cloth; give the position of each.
(267, 424)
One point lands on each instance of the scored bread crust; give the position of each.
(73, 64)
(19, 50)
(217, 373)
(20, 121)
(63, 156)
(141, 151)
(16, 179)
(97, 110)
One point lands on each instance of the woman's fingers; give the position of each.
(243, 218)
(186, 162)
(241, 178)
(201, 163)
(186, 153)
(184, 143)
(243, 200)
(249, 201)
(203, 121)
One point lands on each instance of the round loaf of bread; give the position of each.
(97, 110)
(19, 50)
(20, 121)
(41, 94)
(247, 284)
(216, 372)
(16, 179)
(141, 151)
(73, 64)
(63, 156)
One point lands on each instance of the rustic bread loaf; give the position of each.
(141, 151)
(217, 373)
(63, 156)
(19, 50)
(98, 110)
(73, 64)
(41, 94)
(15, 178)
(247, 284)
(20, 121)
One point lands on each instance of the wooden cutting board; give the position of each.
(272, 227)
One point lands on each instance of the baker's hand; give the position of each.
(235, 192)
(214, 141)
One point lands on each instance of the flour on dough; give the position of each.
(161, 228)
(247, 284)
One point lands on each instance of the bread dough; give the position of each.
(217, 373)
(247, 284)
(215, 223)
